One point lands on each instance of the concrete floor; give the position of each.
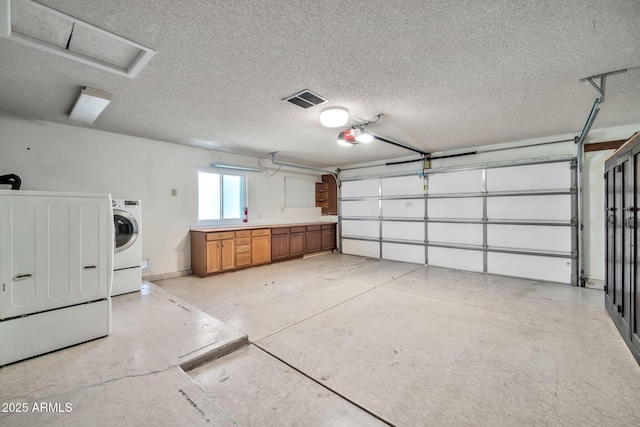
(342, 340)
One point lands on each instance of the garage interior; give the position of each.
(466, 278)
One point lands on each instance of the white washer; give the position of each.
(127, 271)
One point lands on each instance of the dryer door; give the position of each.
(126, 229)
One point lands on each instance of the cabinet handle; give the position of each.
(89, 267)
(223, 244)
(21, 277)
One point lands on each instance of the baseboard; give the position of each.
(151, 278)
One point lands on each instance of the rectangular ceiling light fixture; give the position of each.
(35, 25)
(239, 168)
(89, 105)
(305, 99)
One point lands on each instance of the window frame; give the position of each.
(243, 197)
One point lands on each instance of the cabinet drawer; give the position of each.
(280, 230)
(243, 241)
(243, 248)
(313, 227)
(301, 229)
(328, 226)
(261, 232)
(243, 233)
(221, 235)
(243, 259)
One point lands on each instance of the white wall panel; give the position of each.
(456, 182)
(361, 228)
(361, 248)
(468, 208)
(470, 234)
(361, 208)
(403, 230)
(531, 267)
(456, 258)
(530, 177)
(556, 207)
(403, 186)
(413, 208)
(364, 188)
(405, 253)
(530, 237)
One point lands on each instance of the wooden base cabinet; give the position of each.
(328, 237)
(260, 246)
(622, 272)
(214, 251)
(314, 238)
(297, 239)
(219, 252)
(279, 243)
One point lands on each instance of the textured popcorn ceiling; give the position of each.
(445, 74)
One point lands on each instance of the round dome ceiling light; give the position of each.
(334, 117)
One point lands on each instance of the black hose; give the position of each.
(11, 179)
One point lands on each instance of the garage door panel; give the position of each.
(549, 238)
(403, 252)
(459, 259)
(530, 267)
(396, 230)
(403, 186)
(360, 208)
(361, 228)
(468, 208)
(550, 208)
(455, 182)
(364, 188)
(469, 234)
(361, 248)
(530, 177)
(403, 208)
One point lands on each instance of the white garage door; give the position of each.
(516, 221)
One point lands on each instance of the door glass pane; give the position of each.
(124, 230)
(208, 196)
(232, 196)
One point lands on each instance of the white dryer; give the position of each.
(127, 271)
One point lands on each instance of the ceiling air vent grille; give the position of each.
(306, 99)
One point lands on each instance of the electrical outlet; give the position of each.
(174, 192)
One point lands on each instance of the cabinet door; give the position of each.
(328, 239)
(260, 250)
(279, 246)
(297, 244)
(635, 292)
(227, 254)
(213, 256)
(620, 310)
(610, 247)
(314, 241)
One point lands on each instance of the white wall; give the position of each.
(56, 157)
(593, 173)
